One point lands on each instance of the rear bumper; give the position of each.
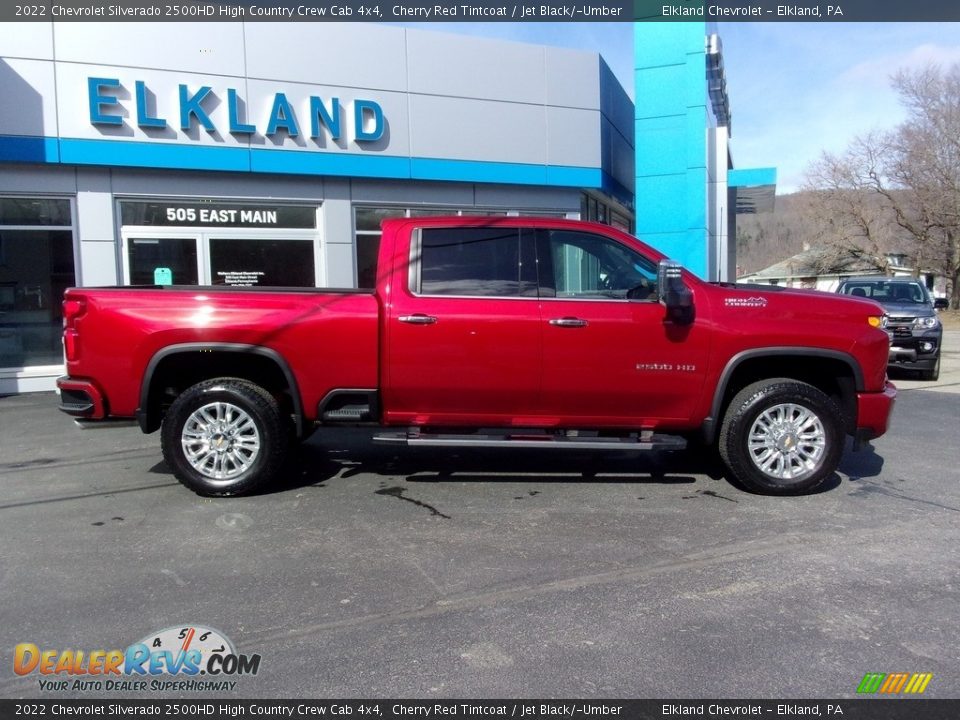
(873, 412)
(81, 398)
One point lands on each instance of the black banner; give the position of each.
(218, 215)
(481, 11)
(890, 709)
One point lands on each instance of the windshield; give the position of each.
(887, 292)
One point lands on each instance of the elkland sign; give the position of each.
(357, 120)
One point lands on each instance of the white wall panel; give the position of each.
(572, 78)
(573, 137)
(27, 40)
(458, 66)
(98, 264)
(203, 47)
(444, 127)
(29, 99)
(360, 55)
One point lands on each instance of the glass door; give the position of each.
(162, 259)
(238, 257)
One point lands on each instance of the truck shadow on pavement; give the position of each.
(350, 454)
(863, 464)
(319, 461)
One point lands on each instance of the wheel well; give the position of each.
(832, 376)
(175, 372)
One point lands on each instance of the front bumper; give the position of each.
(873, 412)
(914, 349)
(912, 358)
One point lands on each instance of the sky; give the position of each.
(796, 89)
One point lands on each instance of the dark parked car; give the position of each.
(914, 328)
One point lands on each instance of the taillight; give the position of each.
(72, 309)
(70, 346)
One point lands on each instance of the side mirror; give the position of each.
(674, 293)
(941, 303)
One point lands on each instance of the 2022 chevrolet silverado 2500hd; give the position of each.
(487, 332)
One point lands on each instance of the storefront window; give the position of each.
(245, 262)
(368, 241)
(619, 221)
(36, 266)
(173, 242)
(367, 223)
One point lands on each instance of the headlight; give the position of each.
(926, 322)
(877, 321)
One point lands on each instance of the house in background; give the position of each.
(819, 269)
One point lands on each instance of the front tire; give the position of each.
(781, 437)
(224, 437)
(933, 373)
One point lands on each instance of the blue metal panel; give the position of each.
(752, 176)
(576, 177)
(661, 145)
(76, 151)
(18, 148)
(657, 92)
(158, 155)
(477, 171)
(696, 201)
(671, 140)
(660, 201)
(309, 163)
(666, 43)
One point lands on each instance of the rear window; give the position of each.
(496, 261)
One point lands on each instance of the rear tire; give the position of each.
(781, 437)
(223, 437)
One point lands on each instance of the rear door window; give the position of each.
(484, 262)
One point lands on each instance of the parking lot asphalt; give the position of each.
(377, 572)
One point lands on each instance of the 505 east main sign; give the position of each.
(358, 120)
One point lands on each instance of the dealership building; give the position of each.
(268, 153)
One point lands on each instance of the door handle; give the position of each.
(569, 322)
(418, 319)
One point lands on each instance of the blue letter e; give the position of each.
(97, 101)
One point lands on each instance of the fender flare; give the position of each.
(710, 423)
(144, 418)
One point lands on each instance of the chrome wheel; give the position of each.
(220, 441)
(787, 442)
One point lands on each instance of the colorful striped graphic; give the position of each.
(894, 683)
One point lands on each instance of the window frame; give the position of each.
(547, 271)
(415, 274)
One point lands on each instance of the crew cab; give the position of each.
(487, 332)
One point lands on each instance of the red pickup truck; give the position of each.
(487, 332)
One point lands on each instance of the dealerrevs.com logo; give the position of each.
(181, 658)
(894, 683)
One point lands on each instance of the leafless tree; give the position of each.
(925, 162)
(899, 191)
(850, 221)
